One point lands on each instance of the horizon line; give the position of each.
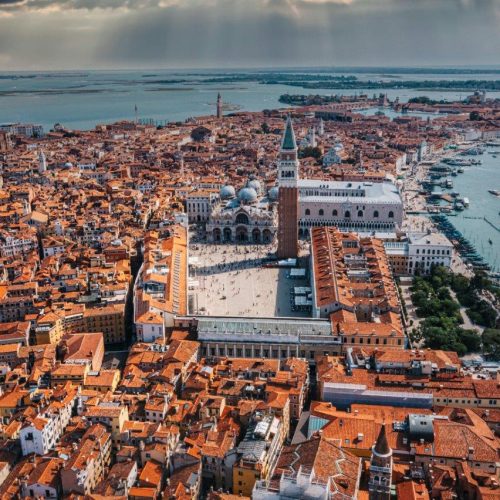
(479, 67)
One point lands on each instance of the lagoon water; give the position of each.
(80, 100)
(474, 184)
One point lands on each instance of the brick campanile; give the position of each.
(288, 176)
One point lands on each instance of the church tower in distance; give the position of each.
(288, 176)
(379, 484)
(219, 106)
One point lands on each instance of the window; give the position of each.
(242, 219)
(308, 212)
(335, 213)
(347, 214)
(391, 215)
(375, 214)
(321, 212)
(360, 213)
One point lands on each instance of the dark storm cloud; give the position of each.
(217, 33)
(34, 5)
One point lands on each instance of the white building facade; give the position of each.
(425, 251)
(350, 206)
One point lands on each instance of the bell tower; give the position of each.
(42, 163)
(219, 106)
(288, 176)
(379, 484)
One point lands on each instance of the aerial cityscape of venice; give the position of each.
(250, 249)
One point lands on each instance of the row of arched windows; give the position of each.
(347, 213)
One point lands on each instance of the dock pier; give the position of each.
(491, 224)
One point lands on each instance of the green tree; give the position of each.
(310, 152)
(470, 339)
(491, 343)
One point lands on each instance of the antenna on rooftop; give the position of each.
(135, 110)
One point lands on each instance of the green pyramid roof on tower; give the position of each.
(289, 136)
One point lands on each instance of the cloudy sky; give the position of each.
(81, 34)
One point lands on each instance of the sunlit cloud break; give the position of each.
(237, 33)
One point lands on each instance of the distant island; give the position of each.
(319, 80)
(308, 100)
(355, 84)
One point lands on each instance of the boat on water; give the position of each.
(454, 173)
(490, 242)
(461, 162)
(495, 192)
(448, 183)
(460, 170)
(473, 151)
(466, 202)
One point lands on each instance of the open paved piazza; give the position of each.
(231, 280)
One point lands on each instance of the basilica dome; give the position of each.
(227, 192)
(247, 195)
(273, 193)
(254, 184)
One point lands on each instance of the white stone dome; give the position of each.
(273, 193)
(227, 192)
(255, 184)
(247, 195)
